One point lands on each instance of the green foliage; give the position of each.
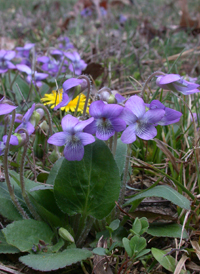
(8, 210)
(167, 230)
(120, 155)
(165, 192)
(53, 261)
(135, 246)
(139, 226)
(5, 247)
(168, 262)
(26, 233)
(89, 187)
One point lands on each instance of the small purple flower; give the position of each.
(13, 141)
(140, 122)
(49, 65)
(5, 108)
(33, 76)
(171, 116)
(176, 83)
(107, 120)
(119, 98)
(72, 137)
(65, 43)
(56, 53)
(23, 52)
(77, 64)
(103, 11)
(122, 19)
(5, 57)
(26, 124)
(86, 12)
(190, 79)
(69, 91)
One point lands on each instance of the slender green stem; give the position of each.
(123, 187)
(60, 68)
(115, 144)
(77, 105)
(86, 224)
(88, 92)
(24, 101)
(22, 183)
(29, 93)
(10, 189)
(16, 74)
(148, 79)
(111, 143)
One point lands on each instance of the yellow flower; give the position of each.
(55, 98)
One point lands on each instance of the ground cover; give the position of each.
(99, 136)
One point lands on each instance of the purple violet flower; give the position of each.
(171, 116)
(86, 12)
(107, 120)
(5, 57)
(72, 137)
(103, 11)
(176, 83)
(33, 76)
(49, 65)
(13, 141)
(25, 122)
(56, 53)
(23, 52)
(77, 64)
(70, 92)
(65, 43)
(5, 108)
(140, 122)
(122, 18)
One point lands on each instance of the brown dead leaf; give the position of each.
(196, 247)
(174, 57)
(100, 266)
(7, 43)
(152, 216)
(166, 151)
(94, 69)
(82, 4)
(63, 24)
(193, 266)
(146, 29)
(120, 2)
(180, 264)
(186, 22)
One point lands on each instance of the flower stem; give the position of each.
(115, 144)
(85, 224)
(22, 183)
(88, 92)
(148, 79)
(10, 189)
(123, 187)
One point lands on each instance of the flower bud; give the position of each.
(44, 126)
(54, 156)
(104, 95)
(111, 99)
(64, 233)
(37, 115)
